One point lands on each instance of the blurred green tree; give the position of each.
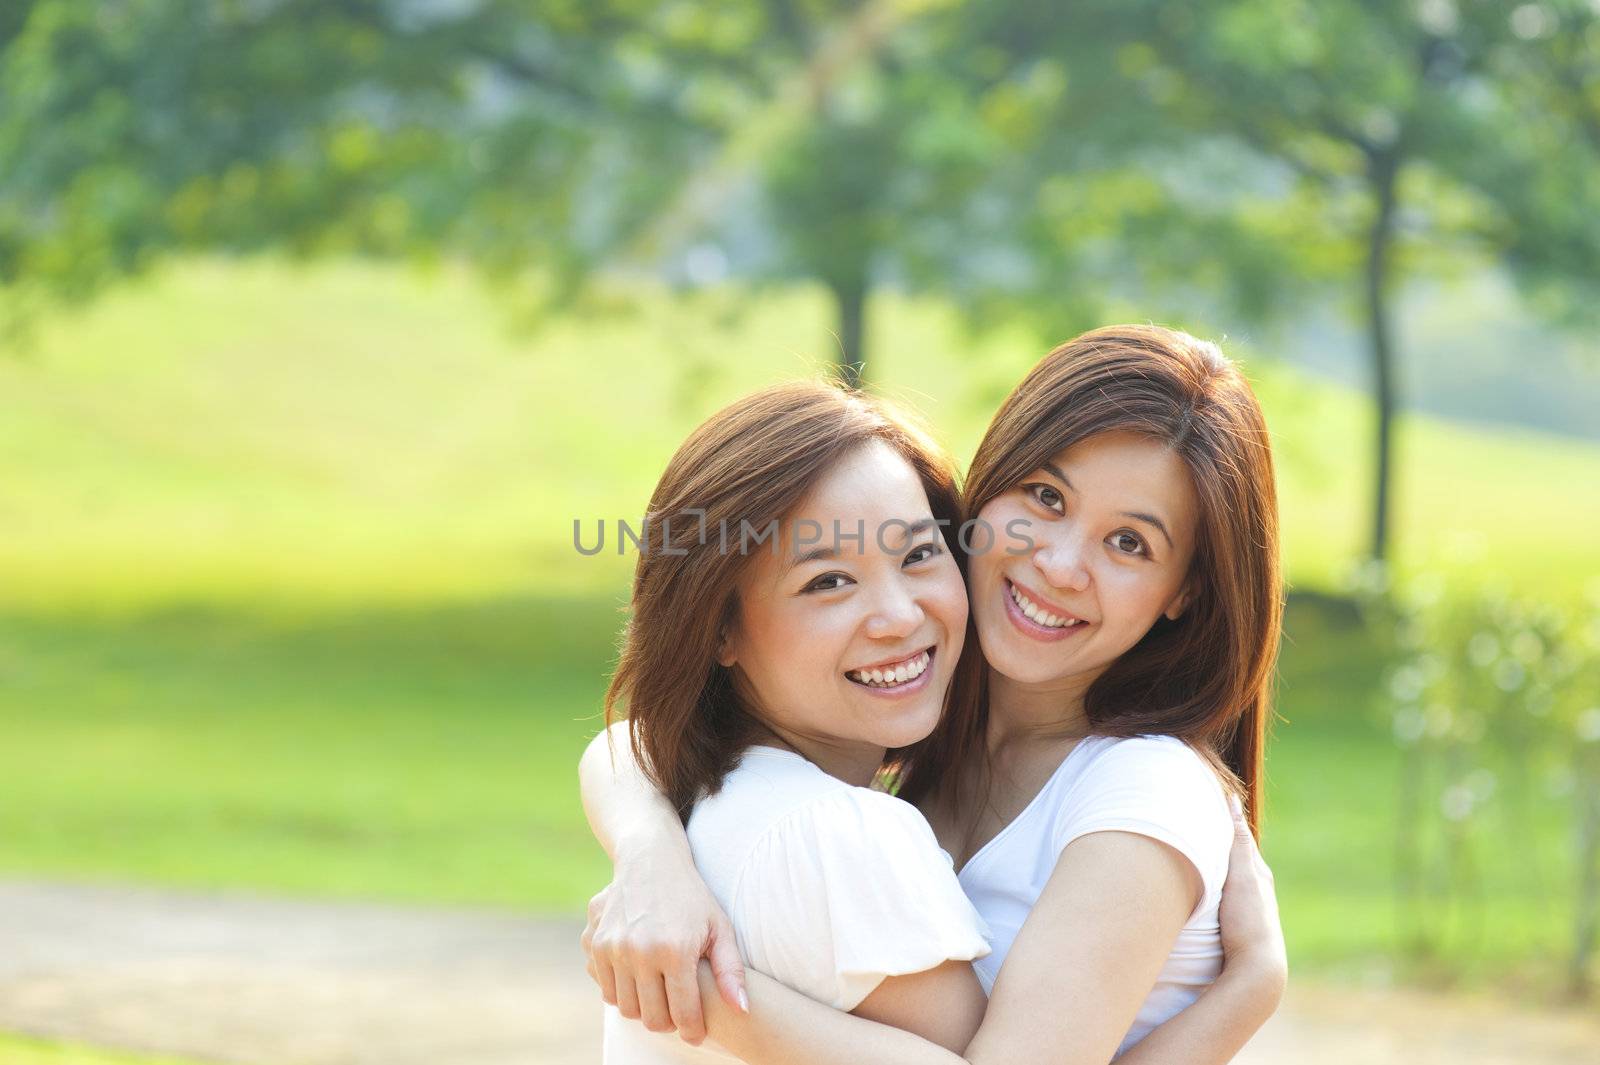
(1420, 134)
(133, 128)
(922, 143)
(1025, 162)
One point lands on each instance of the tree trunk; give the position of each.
(850, 305)
(1381, 173)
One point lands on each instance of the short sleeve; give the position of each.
(1154, 786)
(847, 890)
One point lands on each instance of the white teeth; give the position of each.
(1037, 613)
(884, 678)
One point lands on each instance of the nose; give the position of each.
(895, 614)
(1063, 562)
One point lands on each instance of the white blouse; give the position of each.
(1154, 786)
(830, 888)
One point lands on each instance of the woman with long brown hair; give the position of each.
(1128, 619)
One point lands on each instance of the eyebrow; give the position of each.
(820, 553)
(1148, 519)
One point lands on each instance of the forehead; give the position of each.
(870, 489)
(874, 479)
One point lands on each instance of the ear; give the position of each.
(725, 655)
(1179, 602)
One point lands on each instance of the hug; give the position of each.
(922, 798)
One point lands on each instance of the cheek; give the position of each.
(808, 641)
(1138, 597)
(949, 599)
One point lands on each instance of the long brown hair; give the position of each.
(749, 465)
(1205, 677)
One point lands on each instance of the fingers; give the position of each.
(602, 973)
(1241, 824)
(727, 966)
(653, 1004)
(598, 961)
(627, 997)
(683, 1003)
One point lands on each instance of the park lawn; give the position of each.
(290, 600)
(427, 754)
(406, 753)
(27, 1050)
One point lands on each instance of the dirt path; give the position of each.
(272, 982)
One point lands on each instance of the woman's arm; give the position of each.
(943, 1005)
(1044, 1009)
(650, 926)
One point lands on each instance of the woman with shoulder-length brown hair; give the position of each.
(796, 614)
(1124, 590)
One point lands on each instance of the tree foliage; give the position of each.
(1025, 162)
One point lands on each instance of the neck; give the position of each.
(1028, 713)
(848, 760)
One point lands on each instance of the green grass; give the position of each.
(409, 753)
(289, 601)
(427, 754)
(26, 1050)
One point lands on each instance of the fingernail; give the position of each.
(744, 1001)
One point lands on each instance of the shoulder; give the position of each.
(776, 807)
(766, 785)
(844, 888)
(1161, 768)
(849, 823)
(1166, 753)
(1154, 786)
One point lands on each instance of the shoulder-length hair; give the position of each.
(1205, 677)
(741, 472)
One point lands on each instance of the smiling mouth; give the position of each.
(893, 675)
(1038, 614)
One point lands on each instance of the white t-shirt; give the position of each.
(1154, 786)
(830, 888)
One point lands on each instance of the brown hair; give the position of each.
(747, 466)
(1205, 677)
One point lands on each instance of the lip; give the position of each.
(896, 660)
(910, 687)
(1027, 626)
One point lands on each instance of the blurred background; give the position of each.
(322, 323)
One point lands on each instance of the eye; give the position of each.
(825, 583)
(1128, 543)
(1046, 497)
(923, 553)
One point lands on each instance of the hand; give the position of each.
(1252, 935)
(647, 931)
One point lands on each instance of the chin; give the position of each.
(1025, 664)
(913, 728)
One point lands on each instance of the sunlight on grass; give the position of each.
(292, 603)
(26, 1050)
(356, 433)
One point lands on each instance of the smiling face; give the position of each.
(845, 647)
(1113, 521)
